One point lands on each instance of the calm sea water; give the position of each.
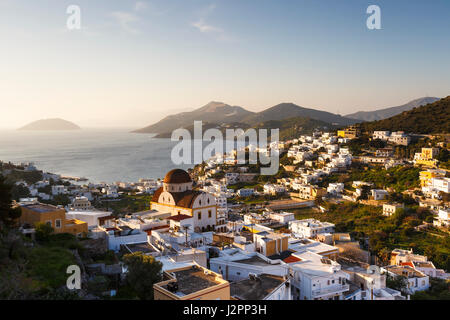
(101, 155)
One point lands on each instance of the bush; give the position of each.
(43, 231)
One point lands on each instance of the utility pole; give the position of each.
(186, 227)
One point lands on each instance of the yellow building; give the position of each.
(309, 192)
(426, 176)
(191, 283)
(34, 213)
(350, 132)
(426, 157)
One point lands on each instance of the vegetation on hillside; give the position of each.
(431, 118)
(386, 233)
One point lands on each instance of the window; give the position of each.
(238, 273)
(200, 202)
(207, 201)
(58, 223)
(209, 213)
(49, 223)
(199, 216)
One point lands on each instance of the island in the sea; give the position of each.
(55, 124)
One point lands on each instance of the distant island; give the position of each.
(50, 125)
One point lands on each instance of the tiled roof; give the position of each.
(182, 199)
(291, 259)
(177, 176)
(179, 217)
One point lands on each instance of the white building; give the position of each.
(245, 192)
(89, 216)
(236, 264)
(400, 138)
(441, 184)
(416, 280)
(443, 218)
(273, 189)
(282, 217)
(335, 188)
(57, 190)
(262, 287)
(310, 228)
(124, 235)
(317, 278)
(81, 203)
(382, 135)
(390, 208)
(379, 194)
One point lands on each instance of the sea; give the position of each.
(100, 155)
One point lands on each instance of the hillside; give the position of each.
(293, 127)
(213, 112)
(289, 128)
(392, 111)
(50, 125)
(221, 114)
(431, 118)
(290, 110)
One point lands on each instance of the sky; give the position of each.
(133, 62)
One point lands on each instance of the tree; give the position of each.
(8, 215)
(43, 231)
(399, 283)
(143, 272)
(19, 191)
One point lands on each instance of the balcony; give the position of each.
(330, 290)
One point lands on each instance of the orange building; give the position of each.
(34, 213)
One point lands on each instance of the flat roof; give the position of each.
(256, 288)
(142, 247)
(254, 260)
(406, 271)
(41, 207)
(192, 280)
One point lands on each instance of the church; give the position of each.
(177, 198)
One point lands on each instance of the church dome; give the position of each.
(177, 176)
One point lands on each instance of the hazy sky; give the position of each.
(134, 62)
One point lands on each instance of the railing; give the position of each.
(331, 289)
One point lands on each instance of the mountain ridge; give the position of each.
(428, 119)
(380, 114)
(220, 113)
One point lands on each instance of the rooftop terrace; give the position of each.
(41, 208)
(256, 288)
(192, 280)
(254, 260)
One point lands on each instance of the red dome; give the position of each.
(177, 176)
